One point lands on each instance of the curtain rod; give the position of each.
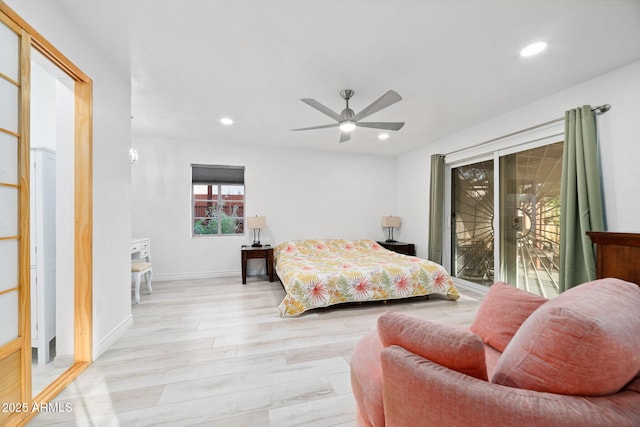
(599, 110)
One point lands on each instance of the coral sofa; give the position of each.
(524, 361)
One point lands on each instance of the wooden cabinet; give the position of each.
(400, 247)
(617, 255)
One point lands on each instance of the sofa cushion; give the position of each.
(502, 312)
(585, 342)
(455, 348)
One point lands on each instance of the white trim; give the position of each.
(461, 283)
(530, 145)
(475, 158)
(497, 210)
(447, 262)
(197, 275)
(469, 155)
(112, 336)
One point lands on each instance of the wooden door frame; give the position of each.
(83, 222)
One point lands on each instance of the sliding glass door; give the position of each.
(523, 240)
(473, 211)
(530, 219)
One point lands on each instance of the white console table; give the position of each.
(141, 249)
(141, 264)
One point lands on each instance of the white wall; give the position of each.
(619, 133)
(52, 127)
(111, 169)
(43, 108)
(309, 194)
(65, 104)
(304, 194)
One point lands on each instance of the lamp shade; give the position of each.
(391, 221)
(256, 222)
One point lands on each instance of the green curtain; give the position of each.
(436, 208)
(581, 198)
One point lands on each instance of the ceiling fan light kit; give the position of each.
(347, 120)
(347, 126)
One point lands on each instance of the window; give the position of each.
(217, 200)
(523, 242)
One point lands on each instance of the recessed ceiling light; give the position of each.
(533, 49)
(383, 136)
(227, 121)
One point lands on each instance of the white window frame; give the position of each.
(483, 152)
(225, 179)
(218, 204)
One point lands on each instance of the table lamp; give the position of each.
(256, 223)
(390, 222)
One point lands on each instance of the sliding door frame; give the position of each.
(83, 224)
(525, 141)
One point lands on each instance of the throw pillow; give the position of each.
(585, 342)
(457, 349)
(502, 312)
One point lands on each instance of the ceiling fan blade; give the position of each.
(332, 125)
(345, 136)
(389, 98)
(381, 125)
(323, 109)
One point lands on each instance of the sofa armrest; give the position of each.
(418, 391)
(453, 347)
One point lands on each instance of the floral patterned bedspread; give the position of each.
(320, 273)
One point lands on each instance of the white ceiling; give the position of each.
(456, 63)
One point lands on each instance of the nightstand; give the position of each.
(400, 247)
(249, 252)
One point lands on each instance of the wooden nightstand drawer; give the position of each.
(400, 247)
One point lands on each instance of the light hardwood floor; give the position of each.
(215, 352)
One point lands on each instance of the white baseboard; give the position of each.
(460, 283)
(116, 333)
(198, 275)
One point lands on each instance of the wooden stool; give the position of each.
(139, 268)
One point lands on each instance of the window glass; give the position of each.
(473, 235)
(530, 219)
(218, 207)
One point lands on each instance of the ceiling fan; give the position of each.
(347, 120)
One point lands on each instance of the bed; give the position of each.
(321, 273)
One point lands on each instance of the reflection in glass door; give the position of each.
(473, 222)
(528, 188)
(530, 219)
(52, 192)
